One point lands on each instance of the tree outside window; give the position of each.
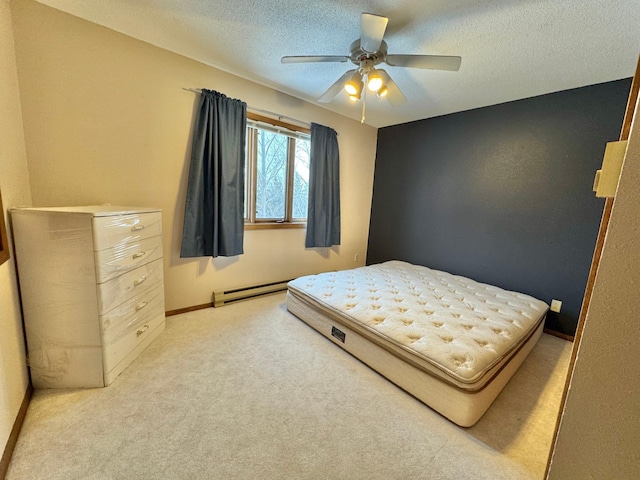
(277, 175)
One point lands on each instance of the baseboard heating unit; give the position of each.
(226, 297)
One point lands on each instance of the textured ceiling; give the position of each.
(510, 49)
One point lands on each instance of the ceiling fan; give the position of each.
(367, 52)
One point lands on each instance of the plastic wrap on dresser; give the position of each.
(78, 267)
(112, 231)
(115, 291)
(132, 313)
(121, 258)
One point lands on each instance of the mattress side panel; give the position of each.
(461, 406)
(461, 328)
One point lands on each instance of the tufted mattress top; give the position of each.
(457, 329)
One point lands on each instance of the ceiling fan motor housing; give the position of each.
(367, 60)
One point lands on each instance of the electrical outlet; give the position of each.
(556, 305)
(356, 257)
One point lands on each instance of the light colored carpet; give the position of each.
(248, 391)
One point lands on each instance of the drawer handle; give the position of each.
(142, 330)
(137, 228)
(138, 255)
(141, 305)
(140, 280)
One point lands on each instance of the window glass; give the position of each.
(301, 179)
(247, 165)
(271, 175)
(276, 173)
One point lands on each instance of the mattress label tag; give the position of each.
(338, 334)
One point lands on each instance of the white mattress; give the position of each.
(461, 332)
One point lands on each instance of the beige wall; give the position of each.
(599, 436)
(14, 186)
(107, 120)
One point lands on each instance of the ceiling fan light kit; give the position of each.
(367, 52)
(354, 84)
(374, 80)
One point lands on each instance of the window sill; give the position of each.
(274, 225)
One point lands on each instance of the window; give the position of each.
(276, 173)
(4, 245)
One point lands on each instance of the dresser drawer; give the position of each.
(114, 352)
(115, 261)
(115, 230)
(117, 290)
(135, 311)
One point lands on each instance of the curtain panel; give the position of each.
(323, 219)
(214, 208)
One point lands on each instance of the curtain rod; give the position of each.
(259, 110)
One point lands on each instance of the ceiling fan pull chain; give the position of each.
(364, 104)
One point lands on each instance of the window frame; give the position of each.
(250, 221)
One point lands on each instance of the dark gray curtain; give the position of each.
(214, 210)
(323, 219)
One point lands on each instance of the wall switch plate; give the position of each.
(606, 181)
(556, 305)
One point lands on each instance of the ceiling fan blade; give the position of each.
(431, 62)
(372, 28)
(334, 89)
(394, 95)
(314, 58)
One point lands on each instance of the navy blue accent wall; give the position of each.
(500, 194)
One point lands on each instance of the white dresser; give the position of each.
(92, 290)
